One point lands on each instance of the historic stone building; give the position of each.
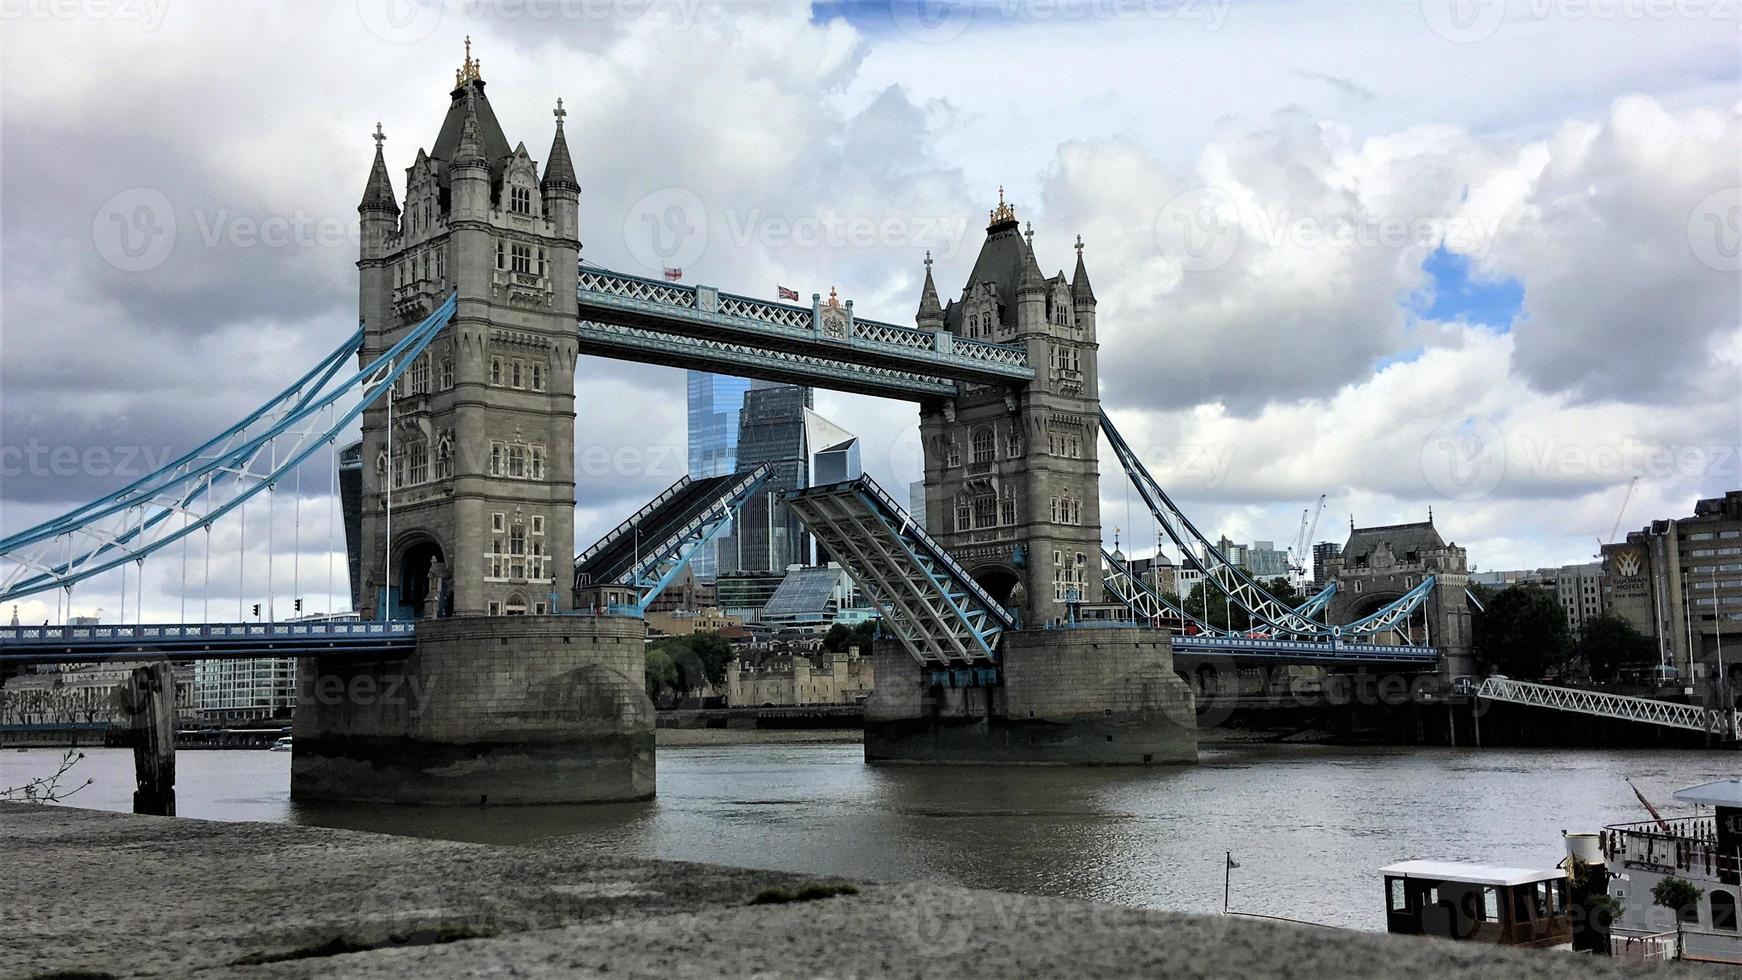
(1011, 477)
(1379, 565)
(468, 493)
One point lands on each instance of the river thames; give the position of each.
(1308, 825)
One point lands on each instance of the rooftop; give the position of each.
(1475, 874)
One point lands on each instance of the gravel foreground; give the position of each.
(93, 894)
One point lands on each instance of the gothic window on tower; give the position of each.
(514, 374)
(1012, 443)
(520, 200)
(522, 257)
(536, 471)
(1006, 506)
(541, 263)
(535, 376)
(445, 374)
(984, 444)
(985, 511)
(964, 514)
(495, 370)
(444, 462)
(517, 461)
(954, 455)
(496, 455)
(419, 375)
(501, 256)
(419, 453)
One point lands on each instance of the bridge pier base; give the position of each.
(508, 710)
(1079, 697)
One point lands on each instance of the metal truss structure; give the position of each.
(1332, 652)
(647, 551)
(823, 344)
(209, 482)
(224, 641)
(1619, 706)
(1151, 607)
(1316, 606)
(1268, 613)
(929, 602)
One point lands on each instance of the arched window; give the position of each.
(984, 450)
(516, 605)
(1723, 910)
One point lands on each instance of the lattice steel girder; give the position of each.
(702, 312)
(203, 641)
(1230, 579)
(938, 612)
(243, 461)
(654, 346)
(1619, 706)
(664, 559)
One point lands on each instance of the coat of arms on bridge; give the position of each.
(836, 320)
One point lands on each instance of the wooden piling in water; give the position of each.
(149, 698)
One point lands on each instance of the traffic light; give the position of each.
(299, 605)
(257, 610)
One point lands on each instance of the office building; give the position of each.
(715, 404)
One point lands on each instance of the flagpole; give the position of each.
(1227, 875)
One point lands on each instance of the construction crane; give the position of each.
(1619, 515)
(1303, 542)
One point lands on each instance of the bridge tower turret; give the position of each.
(1012, 482)
(471, 511)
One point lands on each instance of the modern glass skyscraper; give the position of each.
(771, 428)
(715, 401)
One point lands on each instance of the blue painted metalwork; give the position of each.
(1318, 603)
(825, 344)
(1269, 612)
(133, 522)
(927, 600)
(648, 572)
(208, 641)
(1334, 651)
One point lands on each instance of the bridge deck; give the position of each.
(205, 641)
(616, 555)
(1240, 649)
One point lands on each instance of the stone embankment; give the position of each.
(92, 894)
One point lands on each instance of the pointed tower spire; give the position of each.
(1081, 291)
(470, 152)
(1033, 280)
(931, 312)
(378, 192)
(559, 170)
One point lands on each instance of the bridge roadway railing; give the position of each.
(702, 312)
(1624, 707)
(203, 641)
(1305, 651)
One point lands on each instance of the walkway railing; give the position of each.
(1647, 711)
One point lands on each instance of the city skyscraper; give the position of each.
(771, 429)
(715, 401)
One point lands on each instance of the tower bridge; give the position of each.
(1011, 635)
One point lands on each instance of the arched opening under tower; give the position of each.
(999, 582)
(421, 583)
(1371, 603)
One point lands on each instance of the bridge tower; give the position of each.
(1012, 480)
(1379, 564)
(471, 512)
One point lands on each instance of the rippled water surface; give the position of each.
(1309, 825)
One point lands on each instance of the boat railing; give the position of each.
(1633, 944)
(1688, 844)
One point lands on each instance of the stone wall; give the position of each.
(1068, 697)
(488, 709)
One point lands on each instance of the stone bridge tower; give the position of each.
(480, 475)
(1380, 564)
(1012, 483)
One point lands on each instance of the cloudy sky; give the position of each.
(1456, 254)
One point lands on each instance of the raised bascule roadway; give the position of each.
(1011, 635)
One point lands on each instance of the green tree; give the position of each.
(1523, 632)
(841, 636)
(1610, 644)
(698, 659)
(661, 674)
(1677, 895)
(1211, 606)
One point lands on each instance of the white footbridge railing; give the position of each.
(1645, 710)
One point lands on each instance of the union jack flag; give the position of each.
(673, 274)
(786, 293)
